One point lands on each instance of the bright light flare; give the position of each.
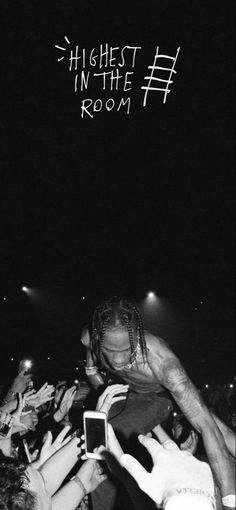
(27, 363)
(25, 289)
(151, 295)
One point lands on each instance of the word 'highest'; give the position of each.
(104, 56)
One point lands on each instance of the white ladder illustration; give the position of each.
(152, 78)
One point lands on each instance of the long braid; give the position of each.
(101, 337)
(130, 332)
(139, 321)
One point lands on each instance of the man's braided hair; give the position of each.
(117, 312)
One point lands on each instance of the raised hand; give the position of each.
(43, 395)
(21, 382)
(172, 470)
(50, 447)
(65, 404)
(110, 396)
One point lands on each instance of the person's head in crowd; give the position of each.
(117, 332)
(14, 485)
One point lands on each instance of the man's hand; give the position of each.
(109, 397)
(172, 470)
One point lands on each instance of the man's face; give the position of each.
(116, 348)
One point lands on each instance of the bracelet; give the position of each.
(91, 370)
(77, 480)
(190, 492)
(229, 500)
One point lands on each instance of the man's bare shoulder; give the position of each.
(156, 343)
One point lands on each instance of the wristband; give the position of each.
(186, 491)
(91, 370)
(77, 480)
(229, 501)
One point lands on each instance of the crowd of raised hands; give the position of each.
(178, 479)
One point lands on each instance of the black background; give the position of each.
(117, 203)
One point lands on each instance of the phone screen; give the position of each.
(95, 433)
(4, 430)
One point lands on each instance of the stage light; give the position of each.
(27, 363)
(76, 381)
(174, 414)
(12, 359)
(206, 385)
(83, 298)
(231, 385)
(151, 295)
(76, 368)
(4, 299)
(25, 289)
(49, 358)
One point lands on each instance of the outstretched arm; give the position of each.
(169, 371)
(171, 374)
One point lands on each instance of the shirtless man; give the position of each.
(118, 343)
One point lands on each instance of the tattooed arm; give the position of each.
(168, 370)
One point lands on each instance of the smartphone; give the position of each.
(4, 430)
(95, 432)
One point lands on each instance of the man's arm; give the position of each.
(168, 370)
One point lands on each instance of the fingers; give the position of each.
(68, 393)
(113, 390)
(62, 434)
(113, 443)
(67, 440)
(160, 433)
(164, 439)
(170, 445)
(152, 446)
(48, 439)
(134, 468)
(109, 396)
(29, 393)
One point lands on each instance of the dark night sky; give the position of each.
(118, 202)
